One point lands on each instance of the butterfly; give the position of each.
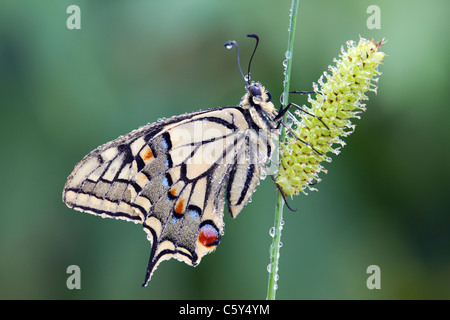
(174, 176)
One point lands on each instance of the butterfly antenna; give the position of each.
(231, 44)
(252, 35)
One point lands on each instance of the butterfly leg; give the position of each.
(282, 194)
(291, 104)
(301, 92)
(301, 140)
(303, 110)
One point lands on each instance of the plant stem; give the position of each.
(278, 223)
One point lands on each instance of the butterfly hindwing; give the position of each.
(246, 171)
(186, 221)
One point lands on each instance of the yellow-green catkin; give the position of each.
(338, 100)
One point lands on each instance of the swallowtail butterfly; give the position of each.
(174, 176)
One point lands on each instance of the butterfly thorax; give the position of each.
(257, 97)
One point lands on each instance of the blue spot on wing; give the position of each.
(167, 180)
(165, 141)
(164, 144)
(194, 211)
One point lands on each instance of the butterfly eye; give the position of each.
(255, 91)
(269, 96)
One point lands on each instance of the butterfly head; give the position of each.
(258, 96)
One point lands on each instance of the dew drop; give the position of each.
(269, 267)
(272, 231)
(282, 96)
(229, 46)
(285, 63)
(263, 175)
(287, 54)
(289, 121)
(280, 244)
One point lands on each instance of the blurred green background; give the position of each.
(63, 92)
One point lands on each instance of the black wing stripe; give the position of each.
(140, 208)
(230, 183)
(250, 173)
(221, 121)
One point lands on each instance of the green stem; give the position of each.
(278, 223)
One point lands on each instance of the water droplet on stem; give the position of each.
(272, 231)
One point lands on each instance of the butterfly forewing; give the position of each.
(101, 183)
(104, 182)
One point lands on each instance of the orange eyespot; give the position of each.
(208, 235)
(147, 155)
(179, 208)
